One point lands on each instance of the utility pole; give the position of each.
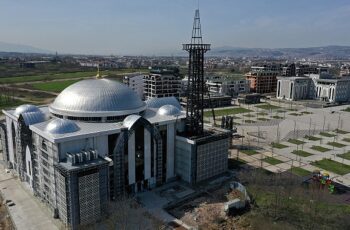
(310, 127)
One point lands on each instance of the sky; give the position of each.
(159, 27)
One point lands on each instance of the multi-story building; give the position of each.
(314, 86)
(136, 83)
(227, 86)
(263, 78)
(162, 82)
(345, 71)
(288, 70)
(302, 70)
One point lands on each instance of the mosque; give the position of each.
(98, 141)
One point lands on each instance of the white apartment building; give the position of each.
(227, 86)
(136, 83)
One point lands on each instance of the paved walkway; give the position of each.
(27, 214)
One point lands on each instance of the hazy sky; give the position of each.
(161, 26)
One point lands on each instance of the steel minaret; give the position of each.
(196, 84)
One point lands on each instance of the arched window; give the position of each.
(13, 132)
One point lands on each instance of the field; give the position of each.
(327, 134)
(336, 144)
(320, 148)
(267, 106)
(272, 160)
(300, 171)
(225, 112)
(345, 156)
(312, 138)
(277, 117)
(54, 86)
(116, 74)
(302, 153)
(5, 104)
(249, 152)
(332, 166)
(280, 202)
(296, 142)
(279, 146)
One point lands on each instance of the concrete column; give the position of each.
(131, 159)
(170, 151)
(148, 144)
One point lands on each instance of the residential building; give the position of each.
(263, 78)
(345, 71)
(162, 82)
(227, 86)
(136, 83)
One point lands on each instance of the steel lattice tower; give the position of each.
(196, 84)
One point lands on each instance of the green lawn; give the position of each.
(347, 109)
(295, 114)
(249, 115)
(225, 112)
(267, 106)
(116, 74)
(272, 160)
(320, 148)
(277, 117)
(6, 104)
(235, 164)
(332, 166)
(300, 171)
(47, 77)
(302, 153)
(306, 112)
(296, 141)
(341, 131)
(327, 134)
(249, 152)
(345, 155)
(54, 86)
(263, 119)
(346, 139)
(312, 138)
(279, 146)
(336, 144)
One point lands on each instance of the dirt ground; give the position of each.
(5, 220)
(205, 209)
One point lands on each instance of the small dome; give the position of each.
(130, 120)
(26, 108)
(97, 98)
(61, 126)
(31, 118)
(168, 110)
(158, 102)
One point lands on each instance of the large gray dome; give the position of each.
(97, 98)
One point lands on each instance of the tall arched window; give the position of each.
(13, 132)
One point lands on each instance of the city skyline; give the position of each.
(160, 27)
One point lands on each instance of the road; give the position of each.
(27, 213)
